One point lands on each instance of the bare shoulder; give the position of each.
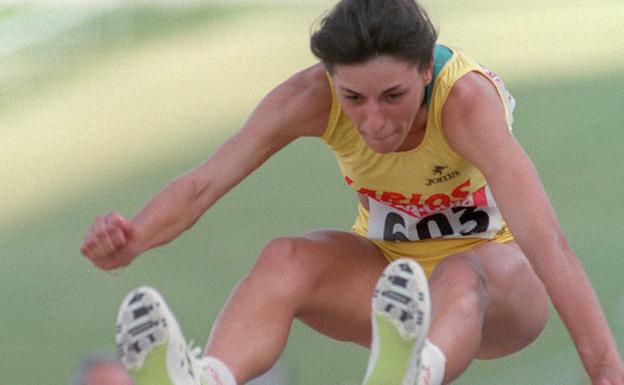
(472, 93)
(304, 101)
(473, 119)
(473, 108)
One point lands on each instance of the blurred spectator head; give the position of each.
(101, 369)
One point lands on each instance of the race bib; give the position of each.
(401, 224)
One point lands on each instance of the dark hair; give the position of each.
(358, 30)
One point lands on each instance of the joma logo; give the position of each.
(439, 170)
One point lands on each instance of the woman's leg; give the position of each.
(324, 278)
(486, 303)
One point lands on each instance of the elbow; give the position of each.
(200, 195)
(191, 192)
(549, 249)
(559, 244)
(559, 255)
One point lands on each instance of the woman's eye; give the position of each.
(395, 96)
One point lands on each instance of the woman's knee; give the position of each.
(460, 283)
(282, 267)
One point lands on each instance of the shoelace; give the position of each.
(198, 366)
(193, 350)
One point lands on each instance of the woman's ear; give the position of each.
(428, 75)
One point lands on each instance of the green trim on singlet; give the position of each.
(441, 55)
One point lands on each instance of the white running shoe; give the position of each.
(401, 312)
(151, 345)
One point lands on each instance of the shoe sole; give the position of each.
(400, 315)
(402, 295)
(141, 326)
(150, 343)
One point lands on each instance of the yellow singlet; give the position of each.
(429, 202)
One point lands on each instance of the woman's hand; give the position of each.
(111, 242)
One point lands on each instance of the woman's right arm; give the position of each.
(298, 107)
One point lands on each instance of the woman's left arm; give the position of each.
(474, 124)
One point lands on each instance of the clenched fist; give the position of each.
(111, 242)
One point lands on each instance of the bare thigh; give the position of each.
(324, 278)
(344, 268)
(513, 301)
(518, 309)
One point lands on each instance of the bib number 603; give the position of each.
(455, 222)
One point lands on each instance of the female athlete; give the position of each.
(422, 134)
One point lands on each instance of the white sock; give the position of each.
(432, 361)
(217, 371)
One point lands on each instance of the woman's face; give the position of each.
(383, 97)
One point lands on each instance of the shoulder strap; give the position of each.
(441, 55)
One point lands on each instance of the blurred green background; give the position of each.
(100, 106)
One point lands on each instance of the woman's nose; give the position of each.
(374, 121)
